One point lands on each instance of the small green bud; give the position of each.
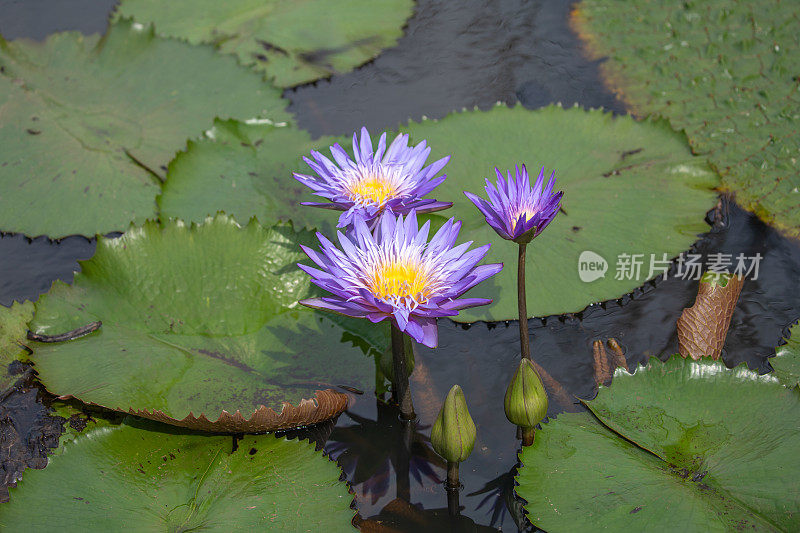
(526, 399)
(453, 433)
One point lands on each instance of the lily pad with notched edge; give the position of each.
(87, 123)
(786, 363)
(294, 42)
(245, 170)
(724, 71)
(684, 445)
(146, 477)
(201, 328)
(13, 326)
(629, 188)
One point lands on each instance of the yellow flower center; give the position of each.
(528, 215)
(372, 189)
(398, 280)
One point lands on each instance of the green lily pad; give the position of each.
(684, 445)
(634, 189)
(201, 328)
(786, 363)
(80, 419)
(245, 170)
(629, 188)
(294, 42)
(738, 102)
(87, 123)
(13, 326)
(145, 477)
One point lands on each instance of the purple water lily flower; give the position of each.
(517, 211)
(391, 180)
(396, 273)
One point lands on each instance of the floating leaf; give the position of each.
(688, 444)
(787, 359)
(629, 188)
(143, 477)
(87, 123)
(201, 328)
(635, 189)
(294, 42)
(13, 325)
(244, 170)
(738, 99)
(80, 419)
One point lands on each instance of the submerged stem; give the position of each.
(524, 340)
(400, 390)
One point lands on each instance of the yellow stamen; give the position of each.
(373, 189)
(399, 280)
(528, 215)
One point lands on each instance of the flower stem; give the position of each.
(400, 366)
(527, 436)
(452, 475)
(524, 341)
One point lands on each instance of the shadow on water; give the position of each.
(453, 55)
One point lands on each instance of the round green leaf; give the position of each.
(737, 102)
(88, 125)
(629, 188)
(294, 42)
(245, 170)
(13, 326)
(200, 322)
(687, 445)
(137, 477)
(786, 363)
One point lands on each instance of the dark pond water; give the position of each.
(453, 55)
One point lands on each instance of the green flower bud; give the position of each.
(526, 399)
(453, 433)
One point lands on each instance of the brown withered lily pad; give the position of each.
(703, 327)
(201, 328)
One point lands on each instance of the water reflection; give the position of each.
(370, 450)
(499, 502)
(399, 515)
